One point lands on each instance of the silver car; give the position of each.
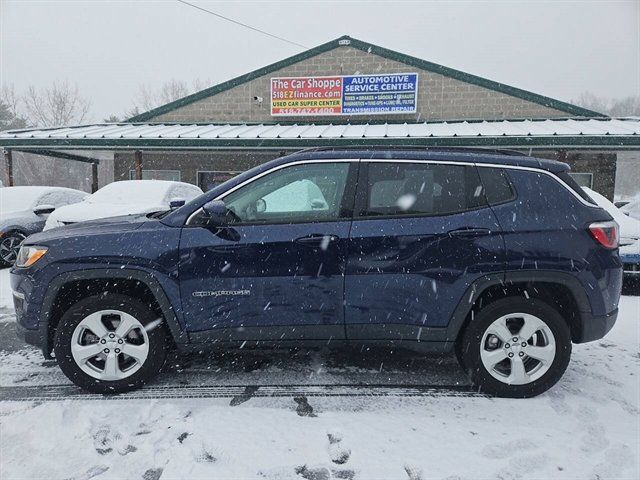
(24, 210)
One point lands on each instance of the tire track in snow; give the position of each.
(70, 392)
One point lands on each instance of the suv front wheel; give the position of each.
(110, 343)
(515, 347)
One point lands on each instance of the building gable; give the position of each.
(443, 93)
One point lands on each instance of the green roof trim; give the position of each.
(569, 108)
(538, 142)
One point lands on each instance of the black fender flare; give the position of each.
(179, 335)
(478, 287)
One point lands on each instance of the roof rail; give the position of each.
(494, 151)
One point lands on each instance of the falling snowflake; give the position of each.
(406, 201)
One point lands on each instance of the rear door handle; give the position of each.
(469, 232)
(317, 240)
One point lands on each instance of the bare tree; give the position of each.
(10, 116)
(111, 119)
(619, 107)
(150, 97)
(60, 104)
(627, 106)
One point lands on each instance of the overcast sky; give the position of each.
(109, 48)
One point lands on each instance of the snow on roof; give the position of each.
(585, 132)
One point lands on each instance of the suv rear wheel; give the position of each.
(110, 343)
(516, 347)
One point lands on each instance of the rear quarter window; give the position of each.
(497, 185)
(573, 185)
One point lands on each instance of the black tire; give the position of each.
(469, 344)
(7, 243)
(110, 301)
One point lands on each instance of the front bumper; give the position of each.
(28, 326)
(38, 338)
(594, 327)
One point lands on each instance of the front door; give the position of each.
(422, 232)
(276, 271)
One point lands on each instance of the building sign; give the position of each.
(344, 95)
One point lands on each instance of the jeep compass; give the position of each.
(498, 257)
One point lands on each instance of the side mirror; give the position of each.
(216, 212)
(176, 203)
(43, 209)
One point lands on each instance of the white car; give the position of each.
(632, 208)
(629, 227)
(129, 197)
(23, 211)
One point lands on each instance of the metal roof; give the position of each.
(580, 133)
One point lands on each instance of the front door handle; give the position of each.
(318, 240)
(469, 232)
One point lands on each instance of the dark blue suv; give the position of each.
(499, 257)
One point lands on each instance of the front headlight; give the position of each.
(29, 254)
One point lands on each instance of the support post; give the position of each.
(94, 177)
(8, 165)
(138, 164)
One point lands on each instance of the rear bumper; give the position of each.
(595, 327)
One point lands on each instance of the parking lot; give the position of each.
(323, 414)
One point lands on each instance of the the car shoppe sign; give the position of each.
(344, 95)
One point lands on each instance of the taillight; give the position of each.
(606, 233)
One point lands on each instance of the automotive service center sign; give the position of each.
(384, 94)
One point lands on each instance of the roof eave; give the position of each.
(617, 142)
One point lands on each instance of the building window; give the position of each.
(173, 175)
(583, 179)
(208, 179)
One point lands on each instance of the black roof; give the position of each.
(475, 155)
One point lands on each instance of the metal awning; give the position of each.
(614, 134)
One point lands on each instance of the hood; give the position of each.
(95, 227)
(83, 211)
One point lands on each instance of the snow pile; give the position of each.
(633, 207)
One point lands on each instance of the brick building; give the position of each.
(213, 134)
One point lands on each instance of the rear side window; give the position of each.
(573, 185)
(400, 189)
(497, 186)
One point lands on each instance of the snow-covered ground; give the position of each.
(333, 416)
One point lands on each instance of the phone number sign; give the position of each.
(393, 93)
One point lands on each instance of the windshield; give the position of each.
(15, 199)
(131, 191)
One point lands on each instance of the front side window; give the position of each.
(400, 189)
(300, 193)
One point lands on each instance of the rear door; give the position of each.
(276, 272)
(422, 233)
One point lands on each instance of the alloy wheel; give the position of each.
(9, 247)
(518, 348)
(110, 345)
